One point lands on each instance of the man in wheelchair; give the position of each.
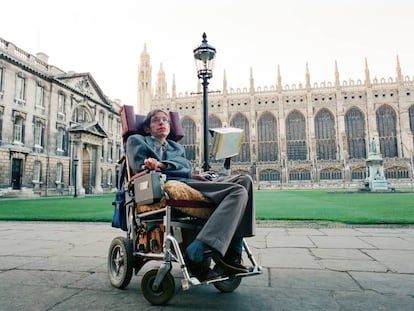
(234, 215)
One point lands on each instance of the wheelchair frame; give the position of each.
(158, 285)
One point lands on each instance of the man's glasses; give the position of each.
(158, 120)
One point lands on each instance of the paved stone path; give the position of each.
(307, 266)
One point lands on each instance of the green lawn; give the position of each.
(351, 208)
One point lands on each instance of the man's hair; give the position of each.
(147, 120)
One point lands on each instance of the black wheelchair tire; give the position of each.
(163, 294)
(120, 262)
(226, 286)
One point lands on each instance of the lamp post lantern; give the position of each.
(75, 168)
(204, 59)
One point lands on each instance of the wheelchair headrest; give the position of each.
(133, 124)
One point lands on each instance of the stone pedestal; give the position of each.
(375, 179)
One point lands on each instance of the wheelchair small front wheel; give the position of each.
(120, 262)
(227, 286)
(165, 291)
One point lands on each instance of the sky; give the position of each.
(106, 39)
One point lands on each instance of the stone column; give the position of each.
(98, 173)
(77, 154)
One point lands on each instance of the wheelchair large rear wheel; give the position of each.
(227, 286)
(120, 262)
(165, 291)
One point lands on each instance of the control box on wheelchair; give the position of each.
(160, 219)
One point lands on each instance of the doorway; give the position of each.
(16, 181)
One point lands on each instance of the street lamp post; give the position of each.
(204, 58)
(75, 168)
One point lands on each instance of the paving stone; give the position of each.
(339, 242)
(396, 260)
(386, 283)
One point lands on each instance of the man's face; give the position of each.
(160, 126)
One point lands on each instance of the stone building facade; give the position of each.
(300, 136)
(58, 131)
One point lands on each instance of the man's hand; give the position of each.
(153, 164)
(198, 177)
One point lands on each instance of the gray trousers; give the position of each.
(235, 212)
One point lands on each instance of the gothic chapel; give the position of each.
(300, 136)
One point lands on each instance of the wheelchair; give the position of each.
(161, 219)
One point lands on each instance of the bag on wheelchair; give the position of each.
(119, 219)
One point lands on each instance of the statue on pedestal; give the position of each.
(373, 146)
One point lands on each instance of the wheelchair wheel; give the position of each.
(164, 293)
(120, 262)
(227, 286)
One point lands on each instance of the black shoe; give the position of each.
(201, 270)
(231, 263)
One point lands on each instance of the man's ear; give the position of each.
(147, 130)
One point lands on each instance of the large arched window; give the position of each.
(240, 121)
(80, 115)
(325, 135)
(386, 126)
(267, 134)
(213, 122)
(411, 116)
(189, 140)
(355, 133)
(296, 136)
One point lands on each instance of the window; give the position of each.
(241, 122)
(267, 134)
(325, 135)
(110, 123)
(1, 123)
(109, 178)
(20, 89)
(299, 175)
(60, 139)
(386, 125)
(213, 122)
(296, 136)
(355, 133)
(110, 152)
(118, 151)
(80, 115)
(411, 116)
(59, 173)
(328, 174)
(101, 117)
(61, 109)
(18, 130)
(359, 173)
(37, 171)
(40, 96)
(397, 173)
(189, 139)
(38, 134)
(1, 79)
(269, 175)
(118, 127)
